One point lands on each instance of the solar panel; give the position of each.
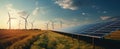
(98, 30)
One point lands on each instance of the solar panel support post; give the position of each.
(78, 40)
(72, 38)
(93, 42)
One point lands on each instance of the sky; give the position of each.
(70, 12)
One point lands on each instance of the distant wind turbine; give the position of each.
(32, 24)
(9, 20)
(47, 25)
(52, 24)
(25, 19)
(61, 24)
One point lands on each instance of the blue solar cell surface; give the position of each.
(97, 30)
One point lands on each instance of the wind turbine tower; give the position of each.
(52, 24)
(9, 20)
(32, 24)
(25, 19)
(47, 25)
(60, 24)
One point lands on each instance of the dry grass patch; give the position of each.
(18, 39)
(114, 35)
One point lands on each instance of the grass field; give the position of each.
(18, 39)
(52, 40)
(41, 39)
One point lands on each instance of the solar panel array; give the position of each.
(98, 30)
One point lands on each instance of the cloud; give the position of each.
(9, 7)
(75, 19)
(12, 10)
(115, 18)
(22, 13)
(105, 17)
(104, 11)
(15, 12)
(36, 3)
(83, 13)
(95, 7)
(73, 4)
(36, 11)
(67, 4)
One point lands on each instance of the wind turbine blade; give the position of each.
(12, 18)
(22, 17)
(9, 14)
(27, 16)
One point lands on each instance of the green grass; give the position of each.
(52, 40)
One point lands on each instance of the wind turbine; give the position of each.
(9, 20)
(61, 24)
(47, 25)
(25, 19)
(52, 24)
(32, 24)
